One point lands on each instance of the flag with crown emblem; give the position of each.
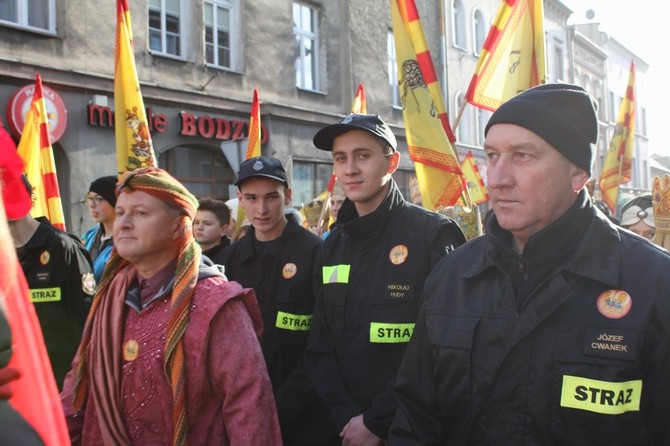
(427, 129)
(134, 147)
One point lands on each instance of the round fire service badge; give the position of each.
(289, 270)
(398, 254)
(614, 304)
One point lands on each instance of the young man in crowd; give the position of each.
(210, 226)
(369, 279)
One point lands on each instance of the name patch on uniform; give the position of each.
(335, 273)
(390, 333)
(608, 343)
(45, 294)
(295, 322)
(611, 398)
(399, 291)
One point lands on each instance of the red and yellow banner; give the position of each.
(134, 147)
(618, 164)
(254, 145)
(427, 127)
(359, 105)
(34, 392)
(476, 186)
(513, 57)
(37, 154)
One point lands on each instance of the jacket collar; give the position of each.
(247, 249)
(596, 255)
(372, 223)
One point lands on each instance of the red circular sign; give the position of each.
(19, 104)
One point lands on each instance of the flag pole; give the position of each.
(460, 113)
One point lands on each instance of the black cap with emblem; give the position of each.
(262, 166)
(355, 121)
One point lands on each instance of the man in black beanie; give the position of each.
(554, 327)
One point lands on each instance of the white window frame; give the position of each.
(393, 71)
(23, 17)
(464, 129)
(301, 34)
(479, 31)
(458, 29)
(181, 37)
(233, 7)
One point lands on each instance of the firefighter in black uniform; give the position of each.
(369, 279)
(554, 327)
(276, 258)
(60, 277)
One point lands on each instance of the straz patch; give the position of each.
(295, 322)
(609, 343)
(390, 333)
(610, 398)
(38, 295)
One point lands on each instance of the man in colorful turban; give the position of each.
(170, 351)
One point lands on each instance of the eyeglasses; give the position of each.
(91, 199)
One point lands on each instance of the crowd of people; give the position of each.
(169, 322)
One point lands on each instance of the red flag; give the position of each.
(618, 164)
(35, 394)
(512, 59)
(134, 147)
(427, 128)
(37, 154)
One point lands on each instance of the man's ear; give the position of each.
(579, 177)
(394, 161)
(287, 196)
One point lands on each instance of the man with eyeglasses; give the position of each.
(56, 265)
(101, 199)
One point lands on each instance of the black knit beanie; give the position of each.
(105, 187)
(564, 115)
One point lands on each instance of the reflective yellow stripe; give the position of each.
(45, 294)
(383, 333)
(611, 398)
(336, 274)
(295, 322)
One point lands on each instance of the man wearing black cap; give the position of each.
(101, 199)
(276, 258)
(554, 327)
(369, 279)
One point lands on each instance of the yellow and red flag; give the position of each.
(617, 168)
(37, 154)
(34, 391)
(476, 186)
(253, 145)
(359, 105)
(133, 141)
(427, 127)
(513, 57)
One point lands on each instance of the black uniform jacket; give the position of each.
(281, 277)
(567, 344)
(369, 282)
(60, 277)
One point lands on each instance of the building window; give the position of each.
(202, 171)
(221, 32)
(464, 129)
(558, 61)
(308, 181)
(33, 15)
(393, 71)
(165, 27)
(483, 117)
(306, 34)
(458, 16)
(479, 29)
